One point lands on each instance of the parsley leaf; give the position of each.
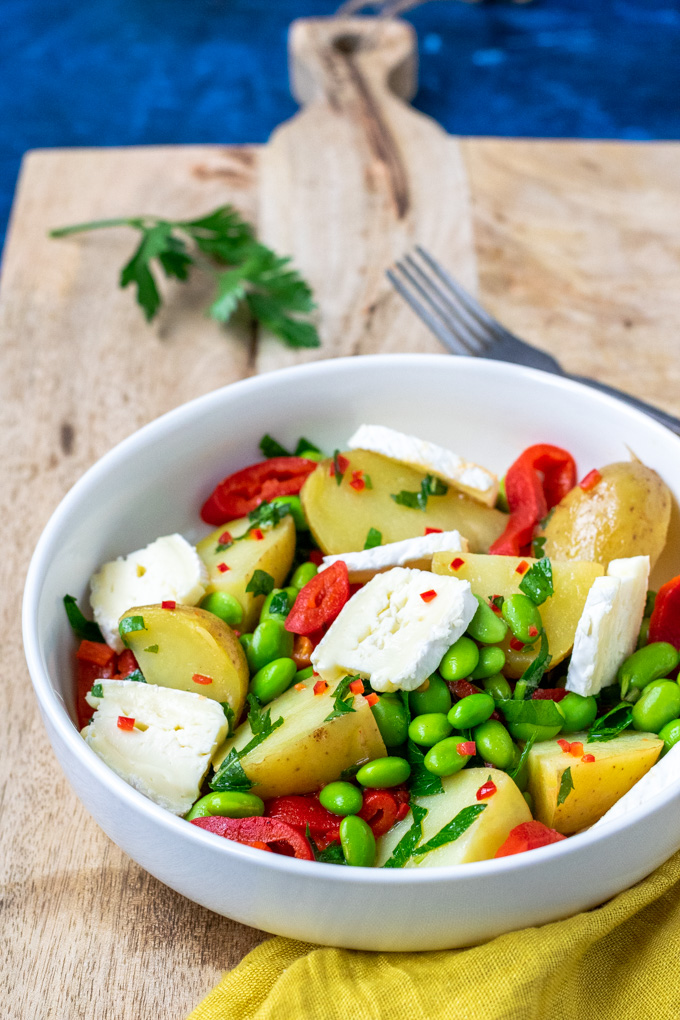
(341, 703)
(337, 470)
(137, 676)
(422, 783)
(267, 515)
(606, 728)
(230, 775)
(153, 649)
(129, 625)
(538, 547)
(409, 499)
(270, 447)
(430, 486)
(261, 583)
(280, 604)
(453, 829)
(403, 851)
(566, 786)
(304, 446)
(331, 855)
(540, 712)
(537, 583)
(373, 538)
(523, 757)
(260, 724)
(229, 714)
(245, 271)
(533, 674)
(84, 629)
(97, 691)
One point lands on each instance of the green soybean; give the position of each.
(270, 641)
(459, 661)
(303, 575)
(224, 605)
(436, 698)
(522, 617)
(486, 627)
(266, 613)
(443, 758)
(498, 687)
(384, 773)
(651, 662)
(296, 511)
(471, 711)
(579, 712)
(658, 705)
(315, 455)
(246, 641)
(273, 679)
(227, 804)
(527, 731)
(491, 661)
(494, 744)
(357, 842)
(392, 718)
(670, 734)
(429, 729)
(341, 798)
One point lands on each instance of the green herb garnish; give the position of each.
(280, 604)
(650, 602)
(245, 272)
(229, 715)
(538, 547)
(97, 691)
(86, 630)
(403, 851)
(422, 782)
(342, 704)
(260, 724)
(331, 855)
(230, 775)
(373, 538)
(136, 676)
(566, 786)
(605, 728)
(537, 583)
(152, 648)
(130, 625)
(533, 674)
(430, 486)
(538, 712)
(261, 583)
(337, 471)
(367, 481)
(351, 771)
(523, 757)
(452, 830)
(271, 447)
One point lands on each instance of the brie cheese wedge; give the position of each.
(411, 552)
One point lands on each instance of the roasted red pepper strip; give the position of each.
(256, 830)
(664, 624)
(302, 810)
(243, 491)
(95, 652)
(379, 809)
(528, 836)
(88, 674)
(127, 663)
(549, 694)
(540, 477)
(320, 601)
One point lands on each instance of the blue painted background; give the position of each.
(120, 72)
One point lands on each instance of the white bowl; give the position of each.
(154, 483)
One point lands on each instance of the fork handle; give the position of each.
(654, 412)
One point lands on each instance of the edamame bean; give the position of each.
(486, 627)
(471, 711)
(383, 773)
(429, 729)
(525, 730)
(246, 641)
(658, 659)
(304, 573)
(459, 661)
(227, 804)
(273, 679)
(296, 511)
(357, 842)
(579, 712)
(522, 617)
(443, 758)
(303, 674)
(658, 705)
(491, 661)
(498, 687)
(224, 605)
(392, 718)
(670, 734)
(494, 743)
(315, 455)
(435, 698)
(277, 593)
(341, 798)
(270, 641)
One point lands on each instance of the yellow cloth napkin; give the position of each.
(616, 962)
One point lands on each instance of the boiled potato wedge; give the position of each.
(625, 514)
(272, 553)
(307, 750)
(497, 575)
(175, 645)
(618, 765)
(504, 810)
(340, 517)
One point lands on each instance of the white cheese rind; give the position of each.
(411, 552)
(168, 752)
(167, 569)
(390, 635)
(661, 777)
(607, 631)
(476, 481)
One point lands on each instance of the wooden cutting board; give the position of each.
(575, 246)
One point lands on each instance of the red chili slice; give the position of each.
(320, 601)
(664, 624)
(243, 491)
(528, 836)
(380, 810)
(255, 830)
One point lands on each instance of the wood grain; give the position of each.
(577, 250)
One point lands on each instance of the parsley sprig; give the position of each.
(223, 244)
(430, 486)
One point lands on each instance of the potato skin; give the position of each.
(625, 514)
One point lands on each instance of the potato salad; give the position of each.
(388, 657)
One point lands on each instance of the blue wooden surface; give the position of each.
(120, 72)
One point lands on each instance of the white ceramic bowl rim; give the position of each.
(69, 734)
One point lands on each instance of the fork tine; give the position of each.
(455, 317)
(428, 291)
(442, 332)
(470, 304)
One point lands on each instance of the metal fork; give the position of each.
(465, 327)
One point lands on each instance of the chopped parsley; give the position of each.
(130, 625)
(97, 691)
(566, 786)
(537, 583)
(373, 538)
(260, 724)
(331, 855)
(229, 714)
(270, 447)
(337, 467)
(610, 725)
(261, 583)
(84, 629)
(342, 704)
(422, 783)
(403, 851)
(430, 486)
(540, 712)
(538, 547)
(230, 775)
(533, 674)
(152, 648)
(280, 604)
(137, 676)
(523, 757)
(452, 830)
